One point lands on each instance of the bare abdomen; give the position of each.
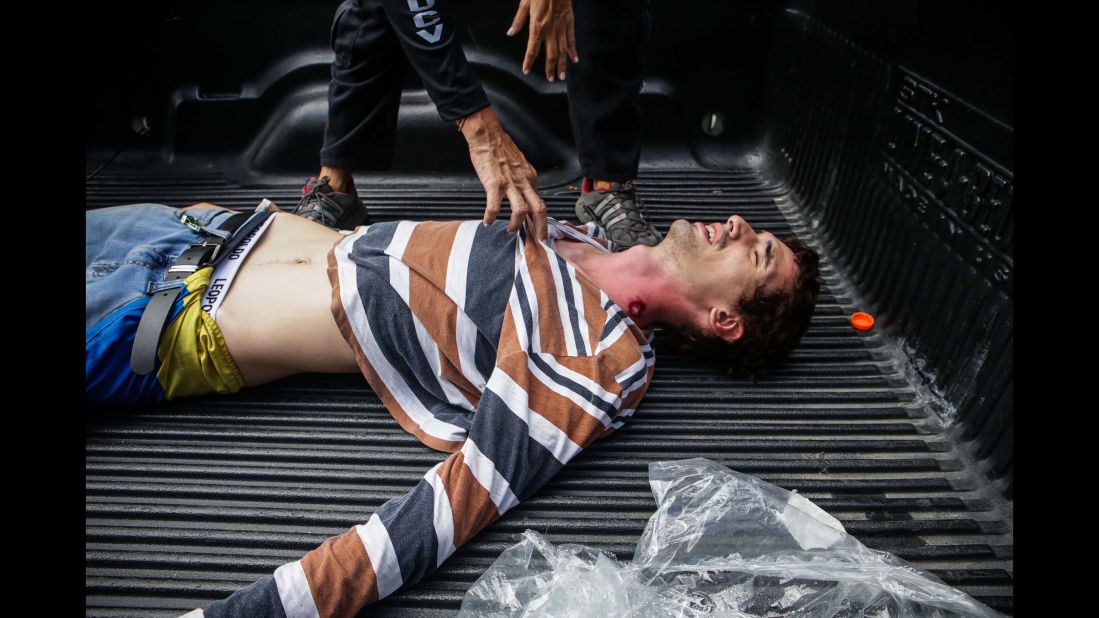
(277, 317)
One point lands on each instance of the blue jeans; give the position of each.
(128, 249)
(127, 252)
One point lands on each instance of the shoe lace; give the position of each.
(636, 219)
(318, 205)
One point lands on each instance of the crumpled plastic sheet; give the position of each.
(720, 543)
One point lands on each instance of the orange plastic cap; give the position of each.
(862, 321)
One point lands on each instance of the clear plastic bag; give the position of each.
(720, 543)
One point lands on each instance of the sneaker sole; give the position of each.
(355, 221)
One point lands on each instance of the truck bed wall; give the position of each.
(911, 187)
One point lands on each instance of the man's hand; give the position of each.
(503, 171)
(550, 22)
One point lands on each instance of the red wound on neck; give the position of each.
(636, 308)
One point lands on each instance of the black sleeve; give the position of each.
(428, 37)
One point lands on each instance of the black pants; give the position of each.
(611, 40)
(375, 42)
(373, 48)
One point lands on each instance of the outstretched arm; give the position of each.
(536, 413)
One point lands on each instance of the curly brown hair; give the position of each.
(773, 323)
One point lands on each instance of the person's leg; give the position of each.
(611, 40)
(364, 95)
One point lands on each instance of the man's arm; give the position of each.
(537, 412)
(427, 34)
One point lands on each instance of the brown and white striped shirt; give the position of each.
(483, 344)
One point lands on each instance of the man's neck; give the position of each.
(637, 278)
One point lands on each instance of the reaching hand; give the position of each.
(550, 22)
(503, 171)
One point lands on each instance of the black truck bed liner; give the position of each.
(879, 133)
(192, 500)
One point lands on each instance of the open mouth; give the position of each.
(708, 232)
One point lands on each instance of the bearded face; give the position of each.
(726, 261)
(681, 241)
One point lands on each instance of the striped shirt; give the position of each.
(483, 344)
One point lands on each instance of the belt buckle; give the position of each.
(203, 260)
(215, 245)
(214, 242)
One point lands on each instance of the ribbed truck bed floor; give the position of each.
(190, 501)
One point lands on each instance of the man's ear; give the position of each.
(727, 326)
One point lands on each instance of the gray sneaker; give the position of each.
(339, 211)
(620, 213)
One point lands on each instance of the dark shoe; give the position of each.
(620, 213)
(339, 211)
